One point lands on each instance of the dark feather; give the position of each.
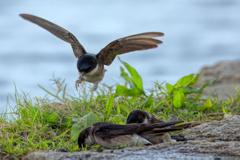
(139, 116)
(142, 41)
(161, 131)
(58, 31)
(109, 130)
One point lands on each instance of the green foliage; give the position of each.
(50, 117)
(207, 104)
(135, 82)
(184, 93)
(53, 124)
(108, 108)
(82, 123)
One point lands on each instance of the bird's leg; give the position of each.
(95, 86)
(78, 81)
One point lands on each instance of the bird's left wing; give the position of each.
(127, 44)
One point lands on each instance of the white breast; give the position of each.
(95, 75)
(122, 141)
(94, 71)
(89, 141)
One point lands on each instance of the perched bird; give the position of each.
(139, 116)
(91, 67)
(111, 135)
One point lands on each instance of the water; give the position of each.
(197, 33)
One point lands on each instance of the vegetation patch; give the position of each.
(54, 124)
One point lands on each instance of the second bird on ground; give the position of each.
(91, 67)
(111, 135)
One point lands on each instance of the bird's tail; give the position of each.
(161, 128)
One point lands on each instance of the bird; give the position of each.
(140, 116)
(111, 135)
(90, 66)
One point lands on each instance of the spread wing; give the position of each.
(142, 41)
(57, 31)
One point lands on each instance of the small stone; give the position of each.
(99, 149)
(61, 150)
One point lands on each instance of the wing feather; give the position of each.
(58, 31)
(108, 130)
(142, 41)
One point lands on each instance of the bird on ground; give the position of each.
(139, 116)
(111, 135)
(90, 66)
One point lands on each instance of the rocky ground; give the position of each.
(212, 140)
(228, 74)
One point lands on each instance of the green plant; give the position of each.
(56, 123)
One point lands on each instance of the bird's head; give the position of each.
(139, 116)
(84, 139)
(86, 63)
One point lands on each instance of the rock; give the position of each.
(228, 74)
(225, 130)
(193, 150)
(211, 140)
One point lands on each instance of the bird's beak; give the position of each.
(82, 73)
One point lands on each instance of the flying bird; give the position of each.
(91, 67)
(139, 116)
(111, 135)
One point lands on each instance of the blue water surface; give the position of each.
(197, 33)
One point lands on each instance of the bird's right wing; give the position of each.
(58, 31)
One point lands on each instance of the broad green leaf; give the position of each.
(83, 123)
(224, 111)
(187, 80)
(188, 90)
(195, 79)
(169, 88)
(108, 107)
(124, 91)
(178, 98)
(207, 104)
(125, 75)
(135, 77)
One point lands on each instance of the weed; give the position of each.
(53, 124)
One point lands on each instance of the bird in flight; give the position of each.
(90, 66)
(111, 135)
